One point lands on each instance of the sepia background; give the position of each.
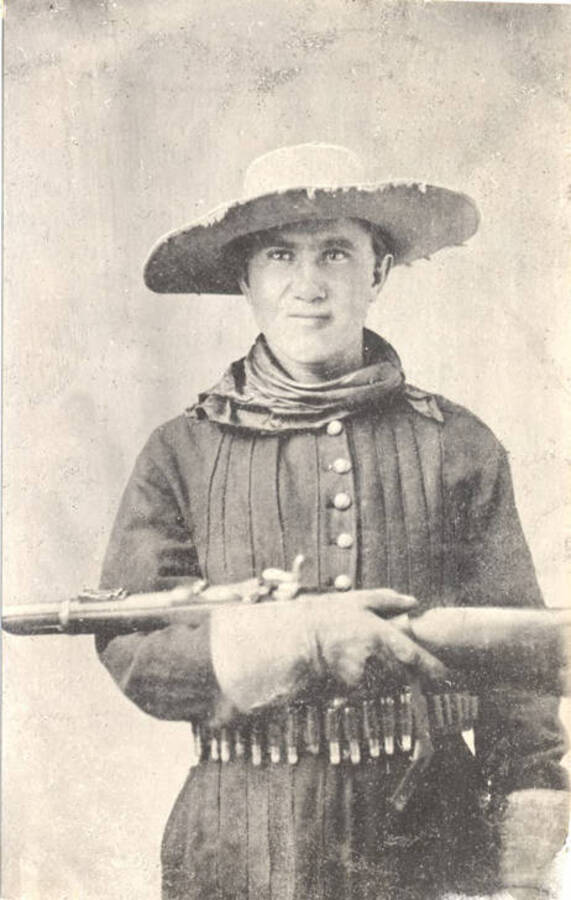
(127, 118)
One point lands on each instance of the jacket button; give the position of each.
(342, 500)
(341, 466)
(342, 583)
(334, 427)
(344, 540)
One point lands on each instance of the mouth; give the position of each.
(310, 321)
(310, 317)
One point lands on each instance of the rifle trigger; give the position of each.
(94, 595)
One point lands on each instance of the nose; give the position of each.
(308, 282)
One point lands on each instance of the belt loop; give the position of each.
(371, 728)
(448, 709)
(312, 732)
(437, 709)
(196, 730)
(239, 745)
(256, 744)
(333, 731)
(225, 752)
(405, 709)
(274, 740)
(388, 723)
(292, 735)
(214, 748)
(352, 736)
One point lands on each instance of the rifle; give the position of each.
(526, 648)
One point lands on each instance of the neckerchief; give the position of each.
(256, 393)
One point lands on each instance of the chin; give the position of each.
(308, 352)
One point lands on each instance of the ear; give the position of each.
(245, 288)
(382, 270)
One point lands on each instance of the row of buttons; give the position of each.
(341, 501)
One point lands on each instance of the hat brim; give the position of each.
(416, 219)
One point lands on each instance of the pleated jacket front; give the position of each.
(389, 498)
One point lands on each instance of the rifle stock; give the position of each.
(527, 648)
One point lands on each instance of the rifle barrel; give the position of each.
(106, 611)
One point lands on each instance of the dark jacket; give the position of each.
(432, 514)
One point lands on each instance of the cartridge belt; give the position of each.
(343, 730)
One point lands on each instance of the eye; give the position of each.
(279, 254)
(335, 254)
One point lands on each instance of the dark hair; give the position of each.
(381, 246)
(238, 253)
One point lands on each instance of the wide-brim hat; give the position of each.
(297, 184)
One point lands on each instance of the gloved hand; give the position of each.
(269, 652)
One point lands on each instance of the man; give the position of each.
(308, 715)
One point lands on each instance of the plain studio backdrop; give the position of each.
(126, 119)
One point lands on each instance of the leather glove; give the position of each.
(270, 652)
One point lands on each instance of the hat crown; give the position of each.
(302, 165)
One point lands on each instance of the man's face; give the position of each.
(310, 286)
